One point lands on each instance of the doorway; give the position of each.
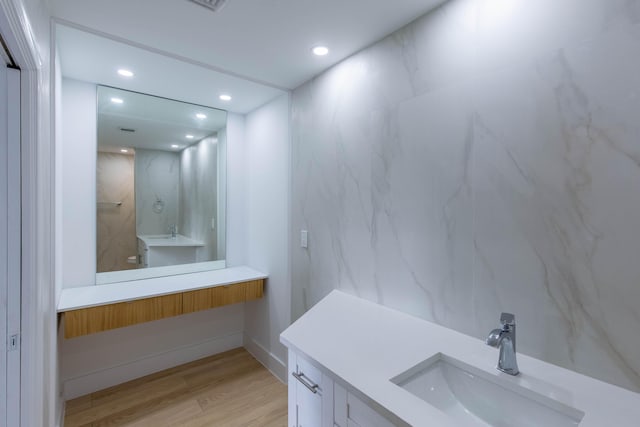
(10, 241)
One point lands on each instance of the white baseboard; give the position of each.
(114, 375)
(276, 366)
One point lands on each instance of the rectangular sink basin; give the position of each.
(472, 397)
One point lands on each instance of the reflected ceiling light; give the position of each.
(320, 50)
(117, 100)
(124, 151)
(175, 146)
(189, 136)
(201, 116)
(225, 97)
(125, 73)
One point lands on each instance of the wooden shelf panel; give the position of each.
(111, 316)
(97, 319)
(205, 299)
(254, 289)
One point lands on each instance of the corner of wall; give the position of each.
(273, 363)
(267, 170)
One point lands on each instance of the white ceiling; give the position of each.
(91, 58)
(266, 41)
(158, 123)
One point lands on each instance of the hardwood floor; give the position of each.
(228, 389)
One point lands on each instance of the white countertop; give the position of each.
(364, 345)
(91, 296)
(163, 240)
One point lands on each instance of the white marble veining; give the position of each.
(198, 195)
(483, 159)
(115, 223)
(157, 178)
(383, 344)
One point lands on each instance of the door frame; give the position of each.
(37, 291)
(11, 251)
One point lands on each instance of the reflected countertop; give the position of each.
(152, 240)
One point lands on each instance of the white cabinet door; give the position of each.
(315, 400)
(360, 414)
(309, 407)
(309, 404)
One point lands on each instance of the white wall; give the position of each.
(94, 362)
(77, 151)
(483, 159)
(267, 169)
(236, 191)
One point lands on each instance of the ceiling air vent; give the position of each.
(214, 5)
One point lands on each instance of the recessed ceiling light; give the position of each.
(175, 146)
(124, 151)
(320, 50)
(189, 136)
(201, 116)
(117, 100)
(225, 97)
(125, 73)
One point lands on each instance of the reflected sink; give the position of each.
(472, 397)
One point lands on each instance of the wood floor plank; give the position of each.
(229, 389)
(173, 415)
(76, 405)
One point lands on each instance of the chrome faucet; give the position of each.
(505, 339)
(173, 229)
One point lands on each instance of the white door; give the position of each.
(10, 230)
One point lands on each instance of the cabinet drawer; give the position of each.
(254, 289)
(363, 415)
(218, 296)
(97, 319)
(205, 299)
(311, 373)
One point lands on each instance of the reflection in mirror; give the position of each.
(160, 186)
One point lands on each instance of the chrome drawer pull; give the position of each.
(303, 379)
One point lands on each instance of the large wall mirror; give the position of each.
(160, 186)
(119, 211)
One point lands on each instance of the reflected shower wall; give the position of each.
(157, 180)
(198, 196)
(116, 215)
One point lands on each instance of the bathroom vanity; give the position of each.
(163, 249)
(90, 309)
(355, 363)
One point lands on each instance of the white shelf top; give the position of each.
(91, 296)
(364, 345)
(165, 240)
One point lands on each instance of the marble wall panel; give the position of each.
(198, 195)
(157, 178)
(482, 159)
(116, 225)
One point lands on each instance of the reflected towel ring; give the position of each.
(158, 206)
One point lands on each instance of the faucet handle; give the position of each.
(507, 319)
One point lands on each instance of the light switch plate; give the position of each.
(303, 239)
